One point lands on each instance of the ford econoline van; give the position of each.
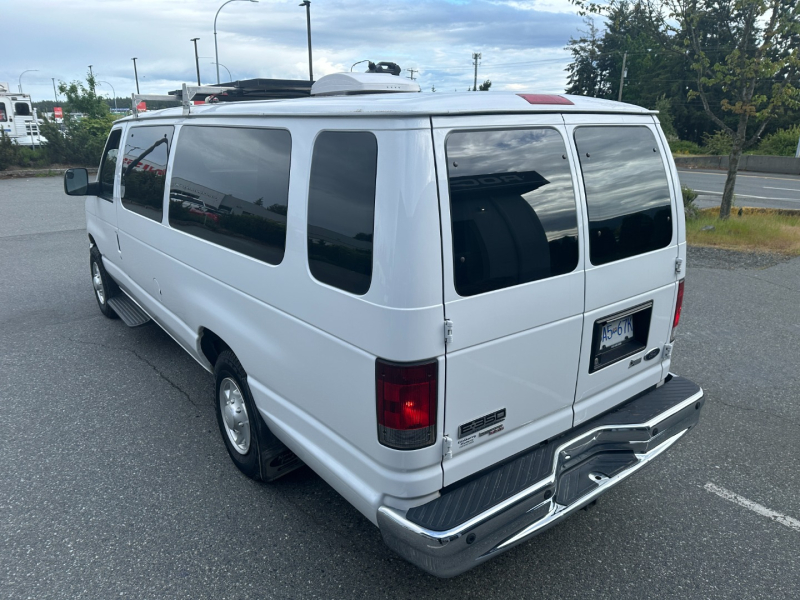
(459, 310)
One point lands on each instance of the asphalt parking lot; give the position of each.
(115, 482)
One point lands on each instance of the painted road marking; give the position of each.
(755, 507)
(748, 196)
(739, 174)
(766, 187)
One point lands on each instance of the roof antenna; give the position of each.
(384, 67)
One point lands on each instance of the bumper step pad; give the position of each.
(462, 501)
(127, 310)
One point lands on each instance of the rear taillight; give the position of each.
(406, 398)
(678, 307)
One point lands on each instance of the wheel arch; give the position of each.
(212, 345)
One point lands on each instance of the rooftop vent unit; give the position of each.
(346, 84)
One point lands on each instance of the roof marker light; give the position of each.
(545, 99)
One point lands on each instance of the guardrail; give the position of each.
(787, 165)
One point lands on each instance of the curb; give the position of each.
(25, 173)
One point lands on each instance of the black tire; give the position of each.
(266, 458)
(109, 287)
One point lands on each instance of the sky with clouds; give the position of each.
(521, 41)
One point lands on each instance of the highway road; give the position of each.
(752, 189)
(115, 483)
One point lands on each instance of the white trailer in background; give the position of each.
(18, 118)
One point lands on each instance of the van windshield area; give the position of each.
(627, 193)
(512, 208)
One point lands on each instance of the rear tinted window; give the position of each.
(144, 166)
(626, 192)
(512, 208)
(230, 186)
(341, 209)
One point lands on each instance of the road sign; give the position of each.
(57, 112)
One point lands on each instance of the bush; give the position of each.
(684, 147)
(781, 143)
(8, 152)
(80, 143)
(719, 143)
(689, 196)
(12, 155)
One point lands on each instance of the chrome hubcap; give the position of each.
(97, 282)
(234, 415)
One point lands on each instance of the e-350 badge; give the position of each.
(482, 423)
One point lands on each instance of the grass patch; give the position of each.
(759, 230)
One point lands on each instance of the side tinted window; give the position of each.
(108, 166)
(512, 208)
(144, 166)
(230, 186)
(22, 109)
(341, 209)
(627, 193)
(3, 116)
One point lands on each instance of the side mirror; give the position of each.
(76, 182)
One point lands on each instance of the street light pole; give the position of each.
(136, 75)
(230, 77)
(20, 77)
(196, 59)
(113, 91)
(216, 50)
(55, 93)
(307, 4)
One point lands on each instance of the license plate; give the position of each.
(616, 332)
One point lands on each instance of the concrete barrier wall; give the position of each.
(750, 162)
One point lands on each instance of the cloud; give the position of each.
(521, 41)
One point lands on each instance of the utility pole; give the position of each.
(90, 71)
(55, 93)
(622, 76)
(476, 56)
(196, 59)
(412, 71)
(307, 4)
(136, 75)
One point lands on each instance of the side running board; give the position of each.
(130, 312)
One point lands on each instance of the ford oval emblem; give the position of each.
(652, 354)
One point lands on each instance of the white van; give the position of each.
(459, 310)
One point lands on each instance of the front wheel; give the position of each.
(104, 286)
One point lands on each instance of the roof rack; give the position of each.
(184, 96)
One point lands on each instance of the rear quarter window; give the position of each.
(512, 208)
(341, 209)
(627, 193)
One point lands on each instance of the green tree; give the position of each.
(753, 77)
(83, 98)
(484, 87)
(586, 75)
(82, 139)
(742, 55)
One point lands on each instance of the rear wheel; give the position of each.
(253, 448)
(104, 286)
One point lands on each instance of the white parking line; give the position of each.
(755, 507)
(766, 187)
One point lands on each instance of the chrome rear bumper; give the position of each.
(585, 462)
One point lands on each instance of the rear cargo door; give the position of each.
(513, 284)
(631, 241)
